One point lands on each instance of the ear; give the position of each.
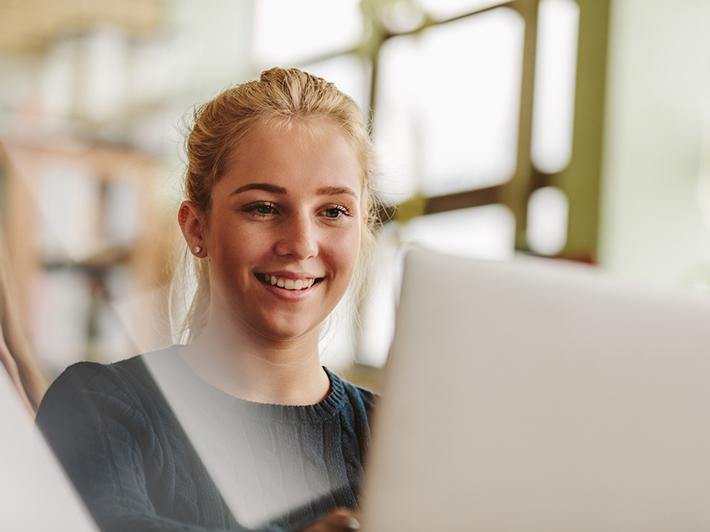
(194, 228)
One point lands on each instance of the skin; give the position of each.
(340, 519)
(290, 203)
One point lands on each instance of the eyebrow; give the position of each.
(324, 191)
(260, 186)
(334, 191)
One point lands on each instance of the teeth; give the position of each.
(289, 284)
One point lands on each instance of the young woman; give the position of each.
(241, 427)
(15, 355)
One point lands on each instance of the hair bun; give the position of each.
(273, 75)
(294, 78)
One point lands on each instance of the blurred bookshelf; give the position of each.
(89, 245)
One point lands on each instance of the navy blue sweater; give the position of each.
(121, 432)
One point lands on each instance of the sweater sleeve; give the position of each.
(92, 426)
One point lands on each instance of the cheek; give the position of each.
(344, 250)
(233, 254)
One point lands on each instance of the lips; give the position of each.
(288, 281)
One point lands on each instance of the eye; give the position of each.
(335, 212)
(261, 209)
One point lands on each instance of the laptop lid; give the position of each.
(537, 396)
(35, 494)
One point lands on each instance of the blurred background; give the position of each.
(577, 129)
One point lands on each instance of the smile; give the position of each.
(288, 284)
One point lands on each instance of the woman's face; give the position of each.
(284, 229)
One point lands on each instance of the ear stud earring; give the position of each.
(197, 250)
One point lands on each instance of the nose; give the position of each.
(299, 238)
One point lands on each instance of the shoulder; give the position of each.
(366, 396)
(121, 386)
(118, 378)
(83, 378)
(356, 395)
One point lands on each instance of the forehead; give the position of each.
(301, 154)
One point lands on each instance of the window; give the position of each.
(472, 106)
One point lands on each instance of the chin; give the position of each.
(284, 336)
(284, 332)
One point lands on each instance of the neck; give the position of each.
(259, 369)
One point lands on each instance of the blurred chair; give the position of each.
(14, 349)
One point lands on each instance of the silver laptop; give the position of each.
(535, 396)
(35, 495)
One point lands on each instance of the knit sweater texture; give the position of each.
(151, 447)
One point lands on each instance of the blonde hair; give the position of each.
(280, 95)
